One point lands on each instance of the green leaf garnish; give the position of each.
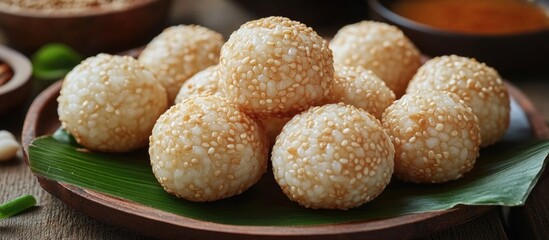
(52, 61)
(16, 206)
(503, 175)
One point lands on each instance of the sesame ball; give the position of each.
(380, 47)
(361, 88)
(435, 134)
(205, 149)
(179, 52)
(273, 126)
(110, 103)
(205, 82)
(480, 86)
(334, 156)
(276, 67)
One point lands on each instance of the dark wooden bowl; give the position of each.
(16, 90)
(42, 119)
(89, 32)
(509, 54)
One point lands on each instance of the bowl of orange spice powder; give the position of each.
(510, 35)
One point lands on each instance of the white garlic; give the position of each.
(8, 146)
(5, 134)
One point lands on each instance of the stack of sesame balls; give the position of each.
(340, 117)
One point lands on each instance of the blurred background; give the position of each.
(224, 16)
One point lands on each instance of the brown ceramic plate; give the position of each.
(42, 119)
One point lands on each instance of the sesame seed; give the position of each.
(439, 127)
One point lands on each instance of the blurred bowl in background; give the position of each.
(520, 53)
(89, 32)
(325, 16)
(17, 88)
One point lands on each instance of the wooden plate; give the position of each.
(42, 119)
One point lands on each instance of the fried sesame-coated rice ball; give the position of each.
(361, 88)
(110, 103)
(334, 156)
(273, 126)
(205, 82)
(380, 47)
(480, 86)
(276, 67)
(179, 52)
(205, 149)
(435, 134)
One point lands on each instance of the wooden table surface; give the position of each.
(52, 219)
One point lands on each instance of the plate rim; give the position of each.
(157, 223)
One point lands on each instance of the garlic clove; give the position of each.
(8, 148)
(5, 134)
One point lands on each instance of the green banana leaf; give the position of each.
(503, 175)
